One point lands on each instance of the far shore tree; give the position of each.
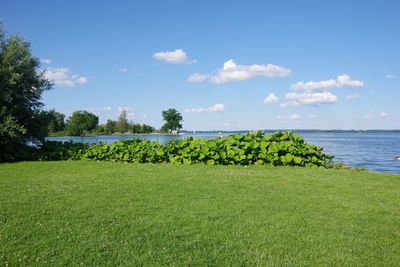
(110, 126)
(141, 128)
(135, 128)
(100, 129)
(81, 122)
(172, 120)
(122, 123)
(147, 129)
(56, 121)
(21, 86)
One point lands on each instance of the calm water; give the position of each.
(372, 150)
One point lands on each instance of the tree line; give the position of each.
(87, 123)
(84, 123)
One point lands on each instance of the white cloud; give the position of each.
(174, 57)
(293, 116)
(215, 108)
(64, 77)
(108, 109)
(384, 114)
(310, 98)
(390, 76)
(368, 116)
(197, 77)
(343, 80)
(311, 85)
(231, 72)
(352, 96)
(271, 98)
(80, 79)
(371, 114)
(45, 61)
(124, 69)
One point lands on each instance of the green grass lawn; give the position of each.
(73, 213)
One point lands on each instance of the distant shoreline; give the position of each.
(183, 132)
(294, 130)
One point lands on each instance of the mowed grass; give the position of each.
(89, 213)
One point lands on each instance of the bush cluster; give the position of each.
(131, 151)
(51, 151)
(280, 148)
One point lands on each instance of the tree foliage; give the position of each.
(141, 128)
(172, 120)
(110, 127)
(56, 121)
(22, 84)
(81, 122)
(144, 128)
(122, 123)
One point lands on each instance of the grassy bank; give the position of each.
(90, 213)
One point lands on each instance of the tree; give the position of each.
(136, 128)
(122, 123)
(100, 129)
(147, 129)
(56, 121)
(172, 120)
(81, 122)
(21, 86)
(110, 126)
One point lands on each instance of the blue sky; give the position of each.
(225, 65)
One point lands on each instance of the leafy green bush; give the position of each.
(132, 151)
(280, 148)
(52, 150)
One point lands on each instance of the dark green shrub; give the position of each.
(60, 151)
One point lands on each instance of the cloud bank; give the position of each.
(232, 72)
(174, 57)
(343, 80)
(271, 98)
(64, 77)
(315, 92)
(310, 98)
(293, 116)
(215, 108)
(197, 78)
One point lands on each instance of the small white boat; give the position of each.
(397, 157)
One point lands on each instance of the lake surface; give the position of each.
(372, 150)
